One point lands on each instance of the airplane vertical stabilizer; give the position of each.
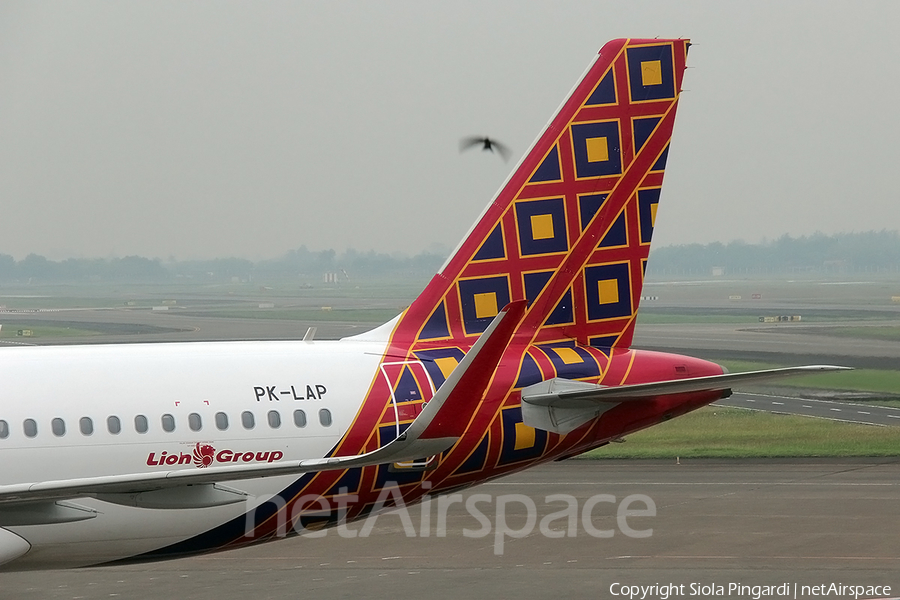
(570, 230)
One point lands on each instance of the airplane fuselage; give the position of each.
(267, 402)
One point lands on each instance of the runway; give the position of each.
(762, 522)
(822, 409)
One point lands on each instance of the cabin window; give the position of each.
(86, 426)
(168, 423)
(299, 418)
(58, 426)
(325, 417)
(195, 422)
(141, 425)
(4, 430)
(274, 418)
(113, 424)
(30, 427)
(247, 420)
(221, 421)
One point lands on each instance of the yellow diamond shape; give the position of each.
(568, 355)
(524, 436)
(597, 149)
(651, 72)
(446, 365)
(653, 208)
(486, 305)
(608, 290)
(542, 227)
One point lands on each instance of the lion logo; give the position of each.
(204, 455)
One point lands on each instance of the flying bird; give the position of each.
(486, 143)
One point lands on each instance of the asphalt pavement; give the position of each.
(713, 522)
(822, 409)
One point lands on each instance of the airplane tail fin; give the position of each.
(570, 229)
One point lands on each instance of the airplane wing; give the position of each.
(440, 424)
(562, 405)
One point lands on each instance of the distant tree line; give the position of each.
(871, 251)
(36, 268)
(302, 264)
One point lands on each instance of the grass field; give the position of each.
(862, 332)
(715, 432)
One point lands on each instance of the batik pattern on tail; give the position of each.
(571, 229)
(570, 232)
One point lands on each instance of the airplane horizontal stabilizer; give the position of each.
(561, 405)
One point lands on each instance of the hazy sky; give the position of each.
(202, 129)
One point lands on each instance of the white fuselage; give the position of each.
(61, 407)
